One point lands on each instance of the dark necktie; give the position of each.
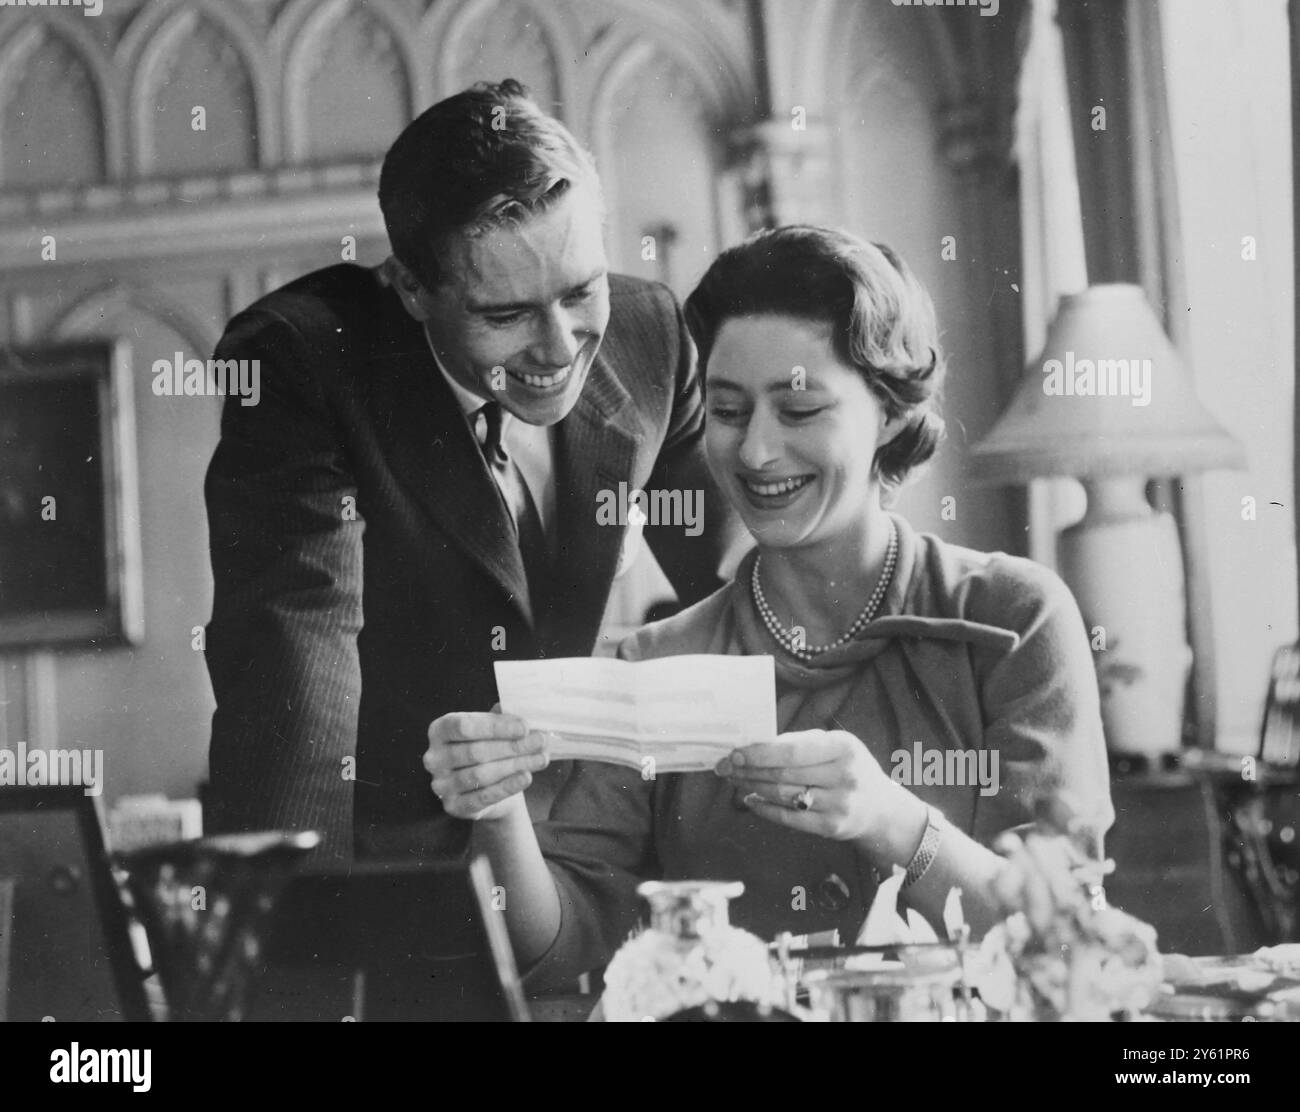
(519, 501)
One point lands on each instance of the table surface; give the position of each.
(561, 1008)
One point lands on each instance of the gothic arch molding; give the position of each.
(156, 30)
(840, 22)
(440, 29)
(297, 34)
(21, 37)
(722, 68)
(106, 301)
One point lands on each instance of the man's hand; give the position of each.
(482, 762)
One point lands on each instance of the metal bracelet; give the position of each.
(927, 851)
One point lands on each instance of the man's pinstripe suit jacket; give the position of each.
(365, 570)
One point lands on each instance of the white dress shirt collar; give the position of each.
(469, 401)
(531, 447)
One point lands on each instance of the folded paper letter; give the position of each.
(684, 712)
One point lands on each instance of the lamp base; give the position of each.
(1125, 567)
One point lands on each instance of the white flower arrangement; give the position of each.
(1097, 963)
(655, 975)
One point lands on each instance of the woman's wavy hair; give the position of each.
(881, 318)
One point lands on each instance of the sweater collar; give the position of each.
(897, 619)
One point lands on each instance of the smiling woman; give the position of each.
(822, 365)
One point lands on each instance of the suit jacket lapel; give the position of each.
(595, 449)
(437, 459)
(435, 456)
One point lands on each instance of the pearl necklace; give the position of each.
(787, 640)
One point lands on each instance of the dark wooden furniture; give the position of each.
(391, 940)
(1194, 847)
(70, 954)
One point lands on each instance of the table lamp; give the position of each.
(1110, 403)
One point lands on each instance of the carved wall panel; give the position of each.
(195, 110)
(349, 91)
(498, 39)
(181, 106)
(50, 120)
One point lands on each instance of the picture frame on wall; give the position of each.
(70, 570)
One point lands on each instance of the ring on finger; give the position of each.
(803, 801)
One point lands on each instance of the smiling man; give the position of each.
(415, 496)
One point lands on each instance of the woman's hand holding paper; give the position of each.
(824, 782)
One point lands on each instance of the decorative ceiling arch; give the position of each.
(297, 34)
(145, 44)
(618, 57)
(85, 317)
(722, 70)
(641, 88)
(972, 74)
(840, 24)
(18, 38)
(441, 28)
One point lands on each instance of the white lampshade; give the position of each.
(1109, 395)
